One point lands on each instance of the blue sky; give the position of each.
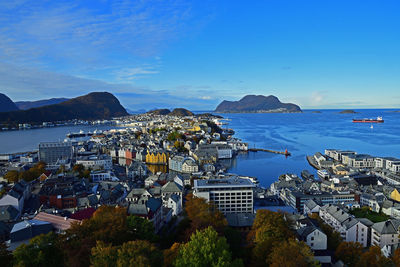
(193, 54)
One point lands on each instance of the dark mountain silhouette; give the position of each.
(6, 104)
(93, 106)
(256, 104)
(180, 112)
(24, 105)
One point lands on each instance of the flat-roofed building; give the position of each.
(232, 195)
(52, 152)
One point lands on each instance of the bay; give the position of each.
(307, 133)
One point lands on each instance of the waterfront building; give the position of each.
(103, 162)
(231, 195)
(157, 158)
(53, 152)
(361, 161)
(183, 164)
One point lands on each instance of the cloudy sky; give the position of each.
(193, 54)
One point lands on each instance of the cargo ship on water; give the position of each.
(377, 120)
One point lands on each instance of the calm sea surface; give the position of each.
(301, 133)
(306, 133)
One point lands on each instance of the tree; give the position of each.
(103, 255)
(269, 230)
(349, 252)
(6, 257)
(373, 258)
(291, 253)
(108, 224)
(203, 214)
(171, 254)
(79, 168)
(139, 253)
(140, 228)
(205, 248)
(12, 176)
(396, 257)
(42, 250)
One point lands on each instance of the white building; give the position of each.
(385, 233)
(103, 162)
(232, 195)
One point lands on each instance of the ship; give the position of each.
(377, 120)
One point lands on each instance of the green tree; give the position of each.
(205, 248)
(140, 228)
(42, 250)
(291, 253)
(349, 253)
(103, 255)
(6, 257)
(139, 253)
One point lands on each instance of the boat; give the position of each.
(79, 134)
(377, 120)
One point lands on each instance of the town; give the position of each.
(156, 165)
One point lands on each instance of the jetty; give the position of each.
(286, 153)
(313, 162)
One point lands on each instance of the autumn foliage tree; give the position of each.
(269, 230)
(349, 253)
(291, 253)
(203, 214)
(373, 258)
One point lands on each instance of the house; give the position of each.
(358, 230)
(136, 169)
(169, 189)
(374, 201)
(175, 203)
(311, 207)
(313, 237)
(150, 209)
(28, 229)
(385, 233)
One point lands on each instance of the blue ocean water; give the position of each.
(306, 133)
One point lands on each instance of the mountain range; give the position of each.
(24, 105)
(93, 106)
(257, 104)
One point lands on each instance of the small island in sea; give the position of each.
(348, 111)
(257, 104)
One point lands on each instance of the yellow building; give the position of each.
(157, 158)
(395, 195)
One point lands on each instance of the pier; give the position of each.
(286, 153)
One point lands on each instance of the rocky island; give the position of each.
(179, 112)
(348, 111)
(257, 104)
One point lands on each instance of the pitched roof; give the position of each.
(171, 187)
(385, 227)
(58, 222)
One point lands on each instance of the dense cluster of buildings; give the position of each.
(346, 182)
(147, 167)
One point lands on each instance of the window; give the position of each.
(312, 244)
(312, 238)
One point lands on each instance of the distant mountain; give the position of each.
(257, 104)
(162, 111)
(93, 106)
(179, 112)
(6, 104)
(24, 105)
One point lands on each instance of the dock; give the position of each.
(313, 162)
(286, 153)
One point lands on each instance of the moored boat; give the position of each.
(377, 120)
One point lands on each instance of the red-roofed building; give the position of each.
(60, 224)
(83, 214)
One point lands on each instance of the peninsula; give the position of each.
(257, 104)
